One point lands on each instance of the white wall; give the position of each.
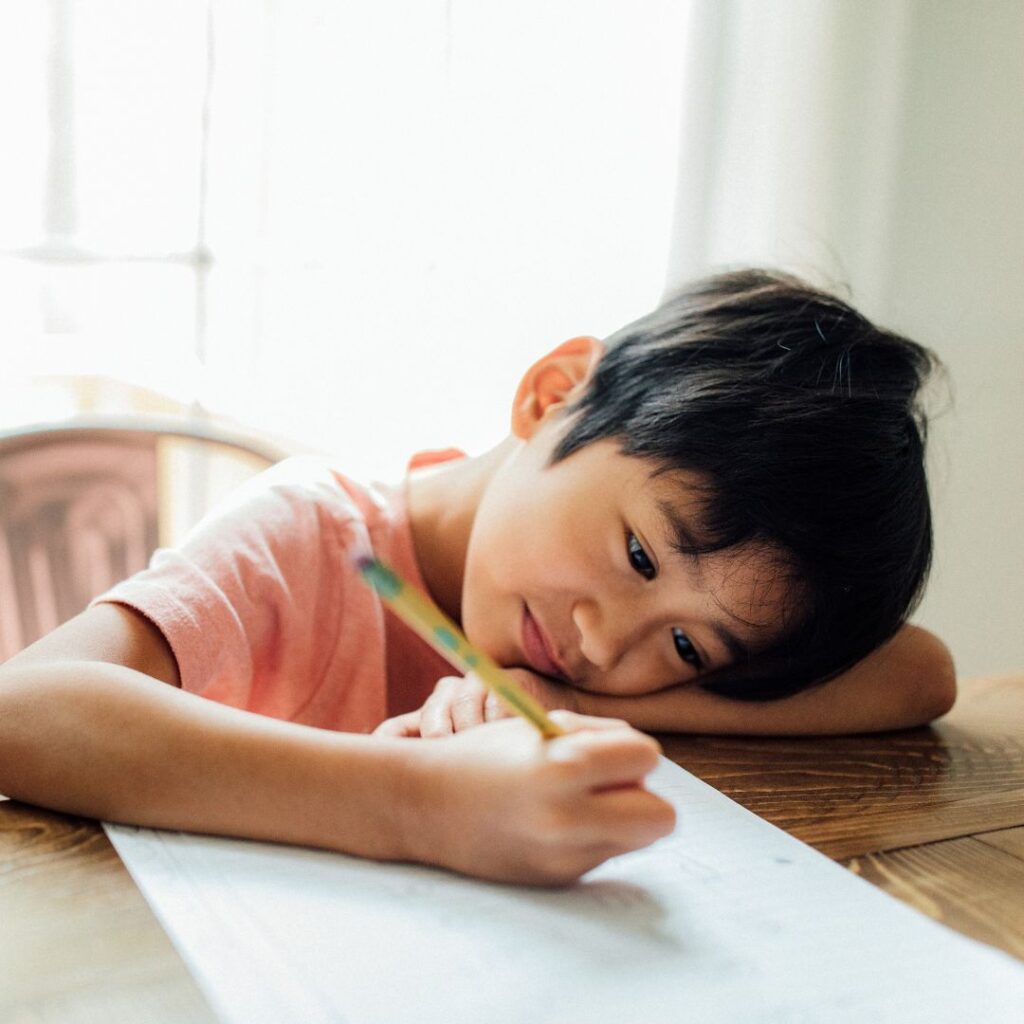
(880, 145)
(955, 272)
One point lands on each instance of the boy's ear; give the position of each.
(552, 382)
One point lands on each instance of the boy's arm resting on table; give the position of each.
(909, 681)
(89, 725)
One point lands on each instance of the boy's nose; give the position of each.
(604, 633)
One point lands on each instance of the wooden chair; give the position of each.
(85, 502)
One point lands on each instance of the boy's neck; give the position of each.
(443, 500)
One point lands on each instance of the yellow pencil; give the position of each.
(418, 612)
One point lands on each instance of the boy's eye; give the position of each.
(685, 648)
(638, 558)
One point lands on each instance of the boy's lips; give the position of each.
(539, 652)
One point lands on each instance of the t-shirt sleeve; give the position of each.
(251, 601)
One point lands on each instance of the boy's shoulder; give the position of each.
(304, 484)
(300, 511)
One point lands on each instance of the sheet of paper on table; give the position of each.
(728, 919)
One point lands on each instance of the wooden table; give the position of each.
(934, 816)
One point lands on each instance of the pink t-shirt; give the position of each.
(264, 609)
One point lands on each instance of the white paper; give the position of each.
(729, 919)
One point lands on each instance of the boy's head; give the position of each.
(797, 425)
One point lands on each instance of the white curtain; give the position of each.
(878, 146)
(353, 224)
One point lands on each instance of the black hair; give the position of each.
(805, 423)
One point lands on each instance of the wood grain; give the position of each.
(79, 942)
(850, 796)
(971, 885)
(1009, 841)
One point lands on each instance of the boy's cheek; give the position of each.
(628, 681)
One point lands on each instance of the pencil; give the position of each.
(418, 612)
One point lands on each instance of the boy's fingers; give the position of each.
(605, 758)
(570, 721)
(632, 817)
(495, 708)
(467, 709)
(436, 713)
(435, 718)
(492, 707)
(401, 725)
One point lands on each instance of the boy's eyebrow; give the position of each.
(684, 541)
(734, 645)
(679, 535)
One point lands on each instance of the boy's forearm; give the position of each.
(108, 742)
(909, 681)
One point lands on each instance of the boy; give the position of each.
(690, 530)
(781, 440)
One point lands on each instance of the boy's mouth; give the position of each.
(540, 654)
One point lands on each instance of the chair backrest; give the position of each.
(85, 503)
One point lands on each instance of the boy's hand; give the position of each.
(502, 803)
(459, 703)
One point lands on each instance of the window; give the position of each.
(349, 224)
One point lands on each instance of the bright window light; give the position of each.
(364, 220)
